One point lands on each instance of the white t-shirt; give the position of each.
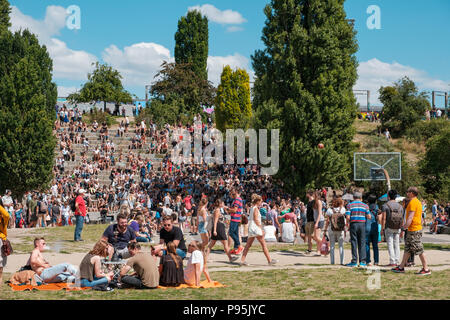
(288, 232)
(270, 233)
(189, 272)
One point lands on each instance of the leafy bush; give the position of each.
(162, 112)
(421, 131)
(100, 117)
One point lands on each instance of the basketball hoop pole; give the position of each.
(388, 180)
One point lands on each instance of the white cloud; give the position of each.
(67, 63)
(219, 16)
(216, 64)
(234, 29)
(375, 73)
(65, 91)
(138, 63)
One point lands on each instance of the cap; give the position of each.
(81, 191)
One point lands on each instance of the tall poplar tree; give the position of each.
(233, 106)
(27, 111)
(304, 81)
(192, 42)
(5, 9)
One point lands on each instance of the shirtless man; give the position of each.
(63, 272)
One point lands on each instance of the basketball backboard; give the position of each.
(370, 166)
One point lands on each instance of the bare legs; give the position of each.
(249, 244)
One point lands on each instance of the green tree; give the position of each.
(5, 10)
(27, 101)
(233, 105)
(435, 166)
(177, 81)
(304, 82)
(192, 42)
(403, 106)
(104, 84)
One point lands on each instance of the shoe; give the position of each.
(239, 250)
(362, 265)
(233, 251)
(423, 272)
(369, 264)
(398, 270)
(245, 263)
(273, 262)
(308, 251)
(233, 259)
(351, 265)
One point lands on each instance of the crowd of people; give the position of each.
(232, 204)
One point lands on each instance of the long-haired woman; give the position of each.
(202, 218)
(218, 231)
(255, 230)
(171, 272)
(91, 273)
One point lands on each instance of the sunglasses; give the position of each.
(167, 225)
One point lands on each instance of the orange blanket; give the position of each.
(203, 285)
(47, 287)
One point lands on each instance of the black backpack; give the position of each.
(395, 220)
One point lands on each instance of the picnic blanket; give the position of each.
(203, 285)
(47, 287)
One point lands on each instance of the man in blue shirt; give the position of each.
(357, 213)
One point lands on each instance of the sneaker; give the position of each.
(398, 270)
(351, 265)
(423, 272)
(239, 250)
(273, 262)
(245, 263)
(233, 259)
(233, 251)
(362, 265)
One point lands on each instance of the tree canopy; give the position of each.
(27, 111)
(5, 10)
(403, 105)
(104, 84)
(178, 81)
(304, 87)
(192, 42)
(233, 106)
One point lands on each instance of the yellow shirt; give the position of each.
(416, 206)
(4, 219)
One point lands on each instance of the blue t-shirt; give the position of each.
(117, 239)
(372, 224)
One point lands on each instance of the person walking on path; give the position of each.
(4, 220)
(357, 214)
(413, 239)
(335, 227)
(235, 213)
(218, 231)
(255, 230)
(80, 213)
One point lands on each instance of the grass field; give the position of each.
(292, 284)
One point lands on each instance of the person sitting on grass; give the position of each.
(146, 275)
(91, 273)
(171, 273)
(196, 266)
(63, 272)
(119, 235)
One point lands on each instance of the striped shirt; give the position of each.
(357, 211)
(237, 203)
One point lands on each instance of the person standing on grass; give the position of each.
(4, 220)
(391, 222)
(357, 213)
(235, 213)
(80, 213)
(372, 231)
(413, 239)
(202, 221)
(255, 230)
(335, 227)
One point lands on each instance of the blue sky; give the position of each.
(137, 35)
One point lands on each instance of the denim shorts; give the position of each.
(201, 228)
